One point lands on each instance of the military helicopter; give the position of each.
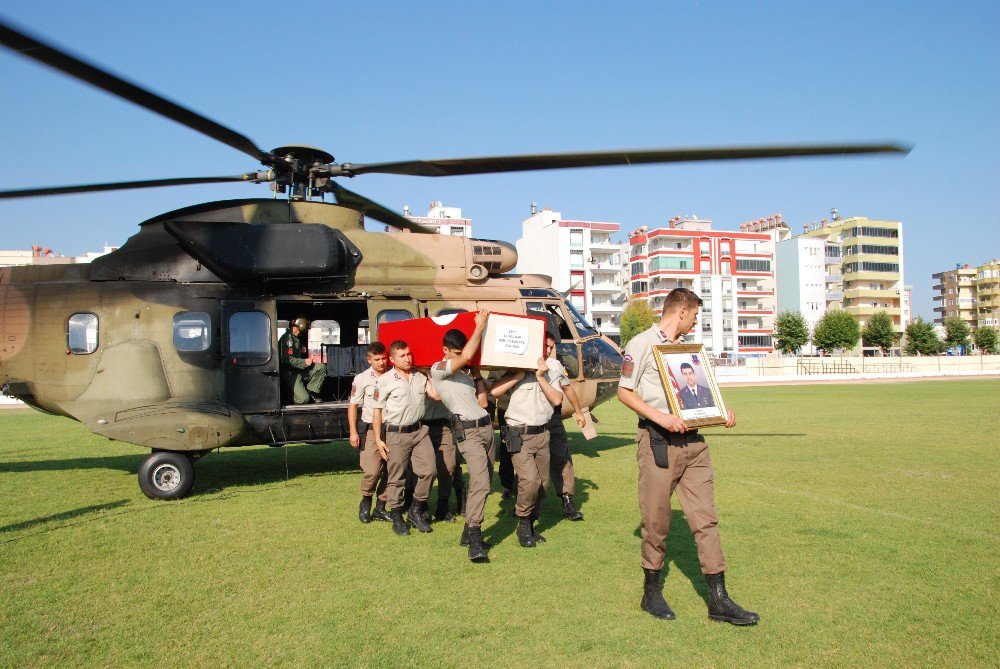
(170, 342)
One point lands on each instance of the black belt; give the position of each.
(436, 422)
(527, 429)
(680, 436)
(412, 427)
(481, 422)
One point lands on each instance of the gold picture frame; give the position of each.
(704, 404)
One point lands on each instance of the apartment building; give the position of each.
(446, 220)
(733, 272)
(955, 294)
(864, 266)
(801, 280)
(988, 294)
(582, 258)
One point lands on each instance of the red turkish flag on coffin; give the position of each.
(509, 342)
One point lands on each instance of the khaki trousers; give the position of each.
(374, 477)
(560, 458)
(445, 458)
(409, 450)
(478, 452)
(690, 473)
(531, 464)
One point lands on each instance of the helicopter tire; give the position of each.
(166, 475)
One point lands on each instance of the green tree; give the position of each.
(956, 331)
(791, 332)
(636, 317)
(921, 338)
(836, 330)
(987, 340)
(878, 331)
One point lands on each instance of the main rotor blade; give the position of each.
(120, 185)
(552, 161)
(32, 48)
(373, 209)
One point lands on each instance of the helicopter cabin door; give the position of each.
(250, 348)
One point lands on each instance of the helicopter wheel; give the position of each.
(166, 475)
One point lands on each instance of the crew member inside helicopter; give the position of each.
(298, 371)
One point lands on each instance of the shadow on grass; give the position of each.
(682, 553)
(225, 468)
(592, 449)
(65, 515)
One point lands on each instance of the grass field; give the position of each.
(860, 521)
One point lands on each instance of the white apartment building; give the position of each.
(801, 280)
(446, 220)
(583, 259)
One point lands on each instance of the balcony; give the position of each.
(605, 287)
(854, 293)
(867, 310)
(834, 296)
(834, 278)
(606, 308)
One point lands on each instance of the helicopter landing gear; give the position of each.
(166, 475)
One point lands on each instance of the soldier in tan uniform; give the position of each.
(437, 418)
(560, 457)
(399, 408)
(529, 410)
(374, 476)
(672, 457)
(465, 396)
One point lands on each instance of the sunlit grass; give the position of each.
(861, 522)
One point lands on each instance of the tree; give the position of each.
(921, 338)
(636, 317)
(878, 331)
(791, 332)
(836, 330)
(956, 331)
(987, 340)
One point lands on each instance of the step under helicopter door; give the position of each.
(250, 346)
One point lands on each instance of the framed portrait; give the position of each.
(690, 386)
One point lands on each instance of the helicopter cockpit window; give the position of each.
(554, 317)
(391, 315)
(250, 338)
(192, 331)
(582, 326)
(81, 334)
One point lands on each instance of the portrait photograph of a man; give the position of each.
(694, 395)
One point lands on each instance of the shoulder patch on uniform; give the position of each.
(627, 368)
(354, 389)
(375, 395)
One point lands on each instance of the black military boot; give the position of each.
(723, 609)
(652, 596)
(477, 547)
(539, 539)
(416, 516)
(398, 524)
(442, 513)
(464, 541)
(525, 535)
(380, 513)
(365, 510)
(569, 511)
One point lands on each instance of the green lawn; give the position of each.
(860, 521)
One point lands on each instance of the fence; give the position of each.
(775, 367)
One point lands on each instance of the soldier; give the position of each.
(363, 394)
(671, 456)
(399, 406)
(561, 460)
(505, 465)
(437, 418)
(465, 397)
(298, 372)
(529, 410)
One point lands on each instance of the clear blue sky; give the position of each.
(374, 82)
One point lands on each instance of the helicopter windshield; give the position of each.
(583, 328)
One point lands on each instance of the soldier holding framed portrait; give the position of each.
(672, 457)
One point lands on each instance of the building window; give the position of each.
(748, 265)
(727, 267)
(391, 316)
(669, 263)
(706, 286)
(81, 334)
(704, 247)
(576, 238)
(249, 338)
(576, 259)
(868, 231)
(192, 331)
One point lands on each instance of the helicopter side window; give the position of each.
(81, 334)
(192, 331)
(449, 312)
(554, 319)
(249, 338)
(391, 315)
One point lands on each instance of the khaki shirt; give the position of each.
(639, 371)
(401, 399)
(457, 391)
(528, 404)
(557, 374)
(363, 393)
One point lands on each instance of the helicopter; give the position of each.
(170, 342)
